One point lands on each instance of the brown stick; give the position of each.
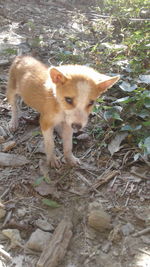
(142, 232)
(104, 179)
(55, 250)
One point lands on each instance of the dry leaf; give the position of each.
(114, 145)
(45, 189)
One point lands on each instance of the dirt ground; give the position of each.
(112, 187)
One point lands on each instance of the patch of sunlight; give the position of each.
(8, 36)
(2, 264)
(143, 258)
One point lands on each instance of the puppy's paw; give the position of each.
(13, 125)
(55, 162)
(73, 161)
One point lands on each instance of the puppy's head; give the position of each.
(76, 89)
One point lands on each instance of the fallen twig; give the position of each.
(142, 232)
(5, 254)
(139, 175)
(85, 181)
(103, 179)
(144, 251)
(127, 184)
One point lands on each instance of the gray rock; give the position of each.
(14, 236)
(145, 239)
(106, 246)
(44, 225)
(38, 240)
(127, 229)
(22, 212)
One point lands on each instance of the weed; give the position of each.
(130, 112)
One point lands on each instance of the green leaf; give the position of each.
(116, 116)
(112, 114)
(125, 86)
(146, 123)
(147, 145)
(35, 133)
(50, 203)
(123, 100)
(100, 100)
(147, 102)
(144, 113)
(38, 181)
(130, 128)
(96, 108)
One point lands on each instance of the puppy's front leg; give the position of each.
(47, 131)
(67, 133)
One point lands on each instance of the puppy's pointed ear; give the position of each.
(104, 85)
(57, 76)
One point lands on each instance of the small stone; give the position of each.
(106, 246)
(145, 239)
(99, 220)
(44, 225)
(38, 240)
(14, 236)
(127, 229)
(2, 213)
(22, 212)
(8, 145)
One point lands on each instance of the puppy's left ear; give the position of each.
(57, 76)
(104, 85)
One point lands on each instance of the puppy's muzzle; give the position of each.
(76, 126)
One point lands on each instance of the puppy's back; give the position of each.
(27, 77)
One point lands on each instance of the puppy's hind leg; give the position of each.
(12, 99)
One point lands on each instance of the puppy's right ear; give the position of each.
(57, 76)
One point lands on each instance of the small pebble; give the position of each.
(145, 239)
(127, 229)
(14, 236)
(38, 240)
(44, 225)
(106, 246)
(99, 220)
(22, 212)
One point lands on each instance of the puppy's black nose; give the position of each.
(76, 126)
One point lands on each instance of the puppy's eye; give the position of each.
(91, 103)
(69, 100)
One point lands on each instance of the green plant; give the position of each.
(133, 97)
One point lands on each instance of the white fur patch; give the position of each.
(83, 94)
(49, 85)
(78, 114)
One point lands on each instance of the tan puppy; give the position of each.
(63, 95)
